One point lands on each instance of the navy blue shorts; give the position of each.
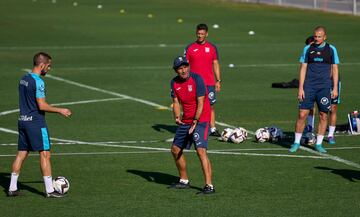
(322, 97)
(33, 137)
(336, 101)
(211, 94)
(200, 136)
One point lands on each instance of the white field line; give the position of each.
(91, 143)
(108, 92)
(168, 149)
(91, 153)
(66, 103)
(332, 157)
(335, 158)
(267, 155)
(9, 144)
(281, 149)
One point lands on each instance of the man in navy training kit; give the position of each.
(188, 91)
(319, 62)
(333, 111)
(33, 131)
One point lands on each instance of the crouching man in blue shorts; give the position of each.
(33, 131)
(189, 92)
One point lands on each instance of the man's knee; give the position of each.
(45, 155)
(176, 151)
(323, 116)
(303, 114)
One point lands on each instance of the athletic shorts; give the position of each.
(199, 137)
(336, 101)
(33, 137)
(211, 94)
(322, 97)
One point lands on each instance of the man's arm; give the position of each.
(335, 79)
(302, 74)
(177, 111)
(44, 106)
(216, 67)
(199, 108)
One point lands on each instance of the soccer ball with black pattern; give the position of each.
(226, 133)
(262, 134)
(239, 135)
(61, 184)
(308, 138)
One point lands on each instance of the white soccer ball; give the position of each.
(99, 6)
(61, 184)
(216, 26)
(239, 135)
(262, 135)
(251, 32)
(226, 133)
(231, 65)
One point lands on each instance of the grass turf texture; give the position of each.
(89, 46)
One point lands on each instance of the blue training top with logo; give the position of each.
(31, 86)
(319, 59)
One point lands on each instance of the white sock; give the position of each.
(48, 184)
(212, 129)
(13, 182)
(210, 185)
(310, 121)
(184, 181)
(331, 131)
(297, 138)
(319, 139)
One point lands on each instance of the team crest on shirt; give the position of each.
(324, 100)
(207, 49)
(42, 88)
(190, 88)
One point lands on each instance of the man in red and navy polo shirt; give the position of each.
(188, 91)
(203, 59)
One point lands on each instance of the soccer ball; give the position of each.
(308, 139)
(61, 184)
(239, 135)
(226, 133)
(262, 135)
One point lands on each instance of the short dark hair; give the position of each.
(41, 57)
(202, 26)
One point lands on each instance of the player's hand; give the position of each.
(193, 125)
(65, 112)
(217, 86)
(334, 94)
(178, 121)
(301, 95)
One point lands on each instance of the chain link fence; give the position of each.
(341, 6)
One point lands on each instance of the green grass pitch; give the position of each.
(114, 65)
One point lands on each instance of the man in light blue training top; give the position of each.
(33, 131)
(319, 62)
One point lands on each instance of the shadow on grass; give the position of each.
(161, 127)
(5, 182)
(351, 175)
(158, 177)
